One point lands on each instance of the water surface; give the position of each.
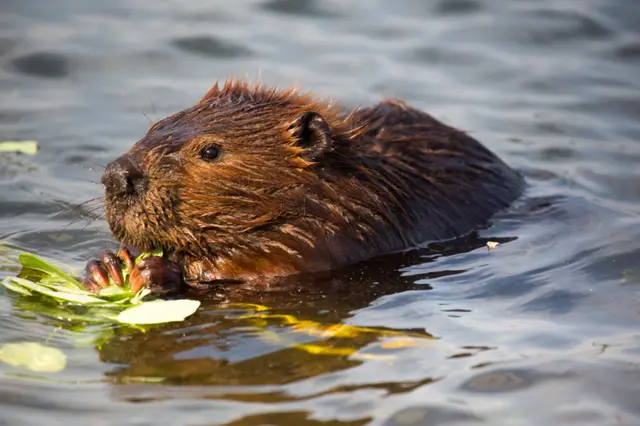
(540, 330)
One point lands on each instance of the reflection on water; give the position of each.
(538, 330)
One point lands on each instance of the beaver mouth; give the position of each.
(145, 225)
(132, 226)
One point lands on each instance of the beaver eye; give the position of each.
(211, 153)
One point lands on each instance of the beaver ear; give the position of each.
(313, 134)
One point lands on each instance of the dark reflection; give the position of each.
(570, 24)
(454, 7)
(500, 381)
(42, 64)
(141, 393)
(212, 47)
(627, 49)
(308, 8)
(432, 54)
(427, 415)
(555, 302)
(292, 331)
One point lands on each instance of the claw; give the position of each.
(125, 255)
(112, 265)
(96, 274)
(90, 285)
(146, 272)
(156, 273)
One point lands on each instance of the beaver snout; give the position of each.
(123, 178)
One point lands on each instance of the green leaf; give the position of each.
(30, 261)
(69, 297)
(154, 252)
(140, 295)
(14, 287)
(33, 356)
(105, 305)
(23, 147)
(159, 311)
(113, 290)
(55, 284)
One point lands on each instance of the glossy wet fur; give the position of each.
(298, 184)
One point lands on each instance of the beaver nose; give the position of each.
(122, 177)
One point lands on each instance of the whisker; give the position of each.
(147, 117)
(90, 222)
(153, 108)
(88, 212)
(74, 209)
(66, 227)
(88, 219)
(86, 180)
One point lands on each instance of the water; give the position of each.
(540, 330)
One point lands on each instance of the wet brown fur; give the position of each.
(394, 177)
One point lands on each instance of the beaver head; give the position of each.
(229, 182)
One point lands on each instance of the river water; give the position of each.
(541, 330)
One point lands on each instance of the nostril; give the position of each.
(123, 177)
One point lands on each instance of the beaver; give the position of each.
(253, 183)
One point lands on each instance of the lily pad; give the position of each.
(22, 147)
(33, 356)
(159, 311)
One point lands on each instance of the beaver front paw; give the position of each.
(158, 274)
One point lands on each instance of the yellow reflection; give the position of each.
(357, 337)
